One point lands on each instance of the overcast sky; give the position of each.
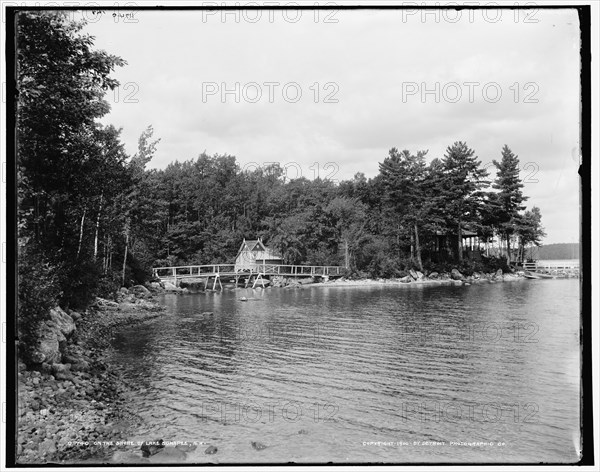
(332, 92)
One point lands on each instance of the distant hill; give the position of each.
(558, 251)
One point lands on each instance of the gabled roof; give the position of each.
(267, 254)
(255, 245)
(262, 251)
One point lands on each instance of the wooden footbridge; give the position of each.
(253, 274)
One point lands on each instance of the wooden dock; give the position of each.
(256, 273)
(557, 268)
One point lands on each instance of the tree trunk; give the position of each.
(460, 252)
(97, 227)
(125, 256)
(398, 241)
(418, 247)
(81, 232)
(109, 258)
(412, 247)
(346, 254)
(508, 249)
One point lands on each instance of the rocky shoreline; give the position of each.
(433, 278)
(69, 401)
(412, 278)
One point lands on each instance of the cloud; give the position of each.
(367, 64)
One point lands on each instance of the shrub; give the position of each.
(109, 285)
(79, 282)
(38, 292)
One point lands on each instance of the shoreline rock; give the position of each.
(70, 401)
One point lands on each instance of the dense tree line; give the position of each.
(91, 218)
(75, 183)
(411, 215)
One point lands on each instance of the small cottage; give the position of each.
(253, 254)
(445, 244)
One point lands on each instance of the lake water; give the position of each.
(363, 374)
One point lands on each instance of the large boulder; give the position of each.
(107, 305)
(498, 273)
(150, 448)
(413, 274)
(169, 287)
(62, 371)
(63, 322)
(140, 291)
(47, 447)
(156, 286)
(419, 275)
(303, 281)
(456, 275)
(434, 275)
(48, 349)
(406, 280)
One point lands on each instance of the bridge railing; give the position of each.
(194, 270)
(178, 272)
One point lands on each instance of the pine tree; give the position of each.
(460, 188)
(403, 175)
(509, 185)
(530, 230)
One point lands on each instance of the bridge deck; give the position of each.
(232, 270)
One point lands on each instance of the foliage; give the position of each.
(72, 171)
(38, 291)
(460, 180)
(509, 197)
